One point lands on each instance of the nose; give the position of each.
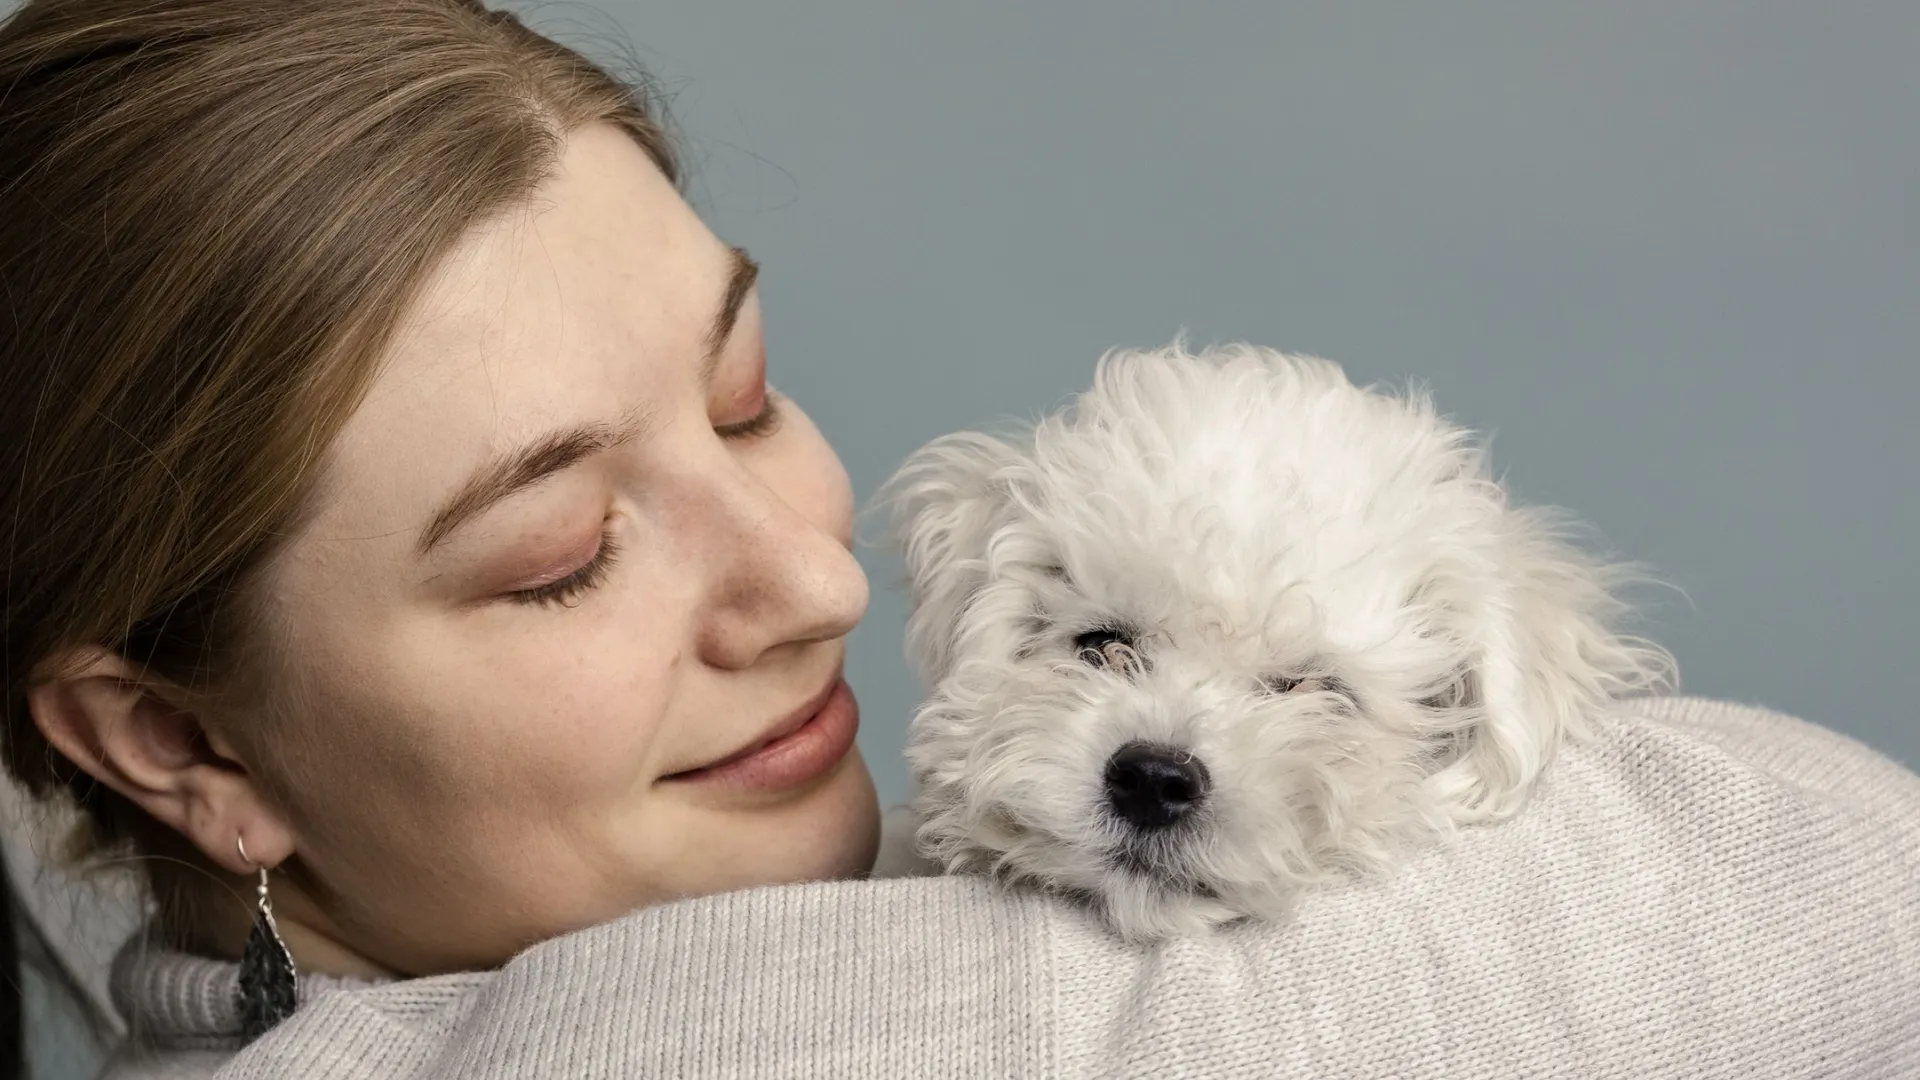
(779, 568)
(1152, 786)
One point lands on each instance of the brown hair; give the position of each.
(213, 213)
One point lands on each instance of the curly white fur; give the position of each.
(1315, 589)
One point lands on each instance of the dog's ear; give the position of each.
(945, 503)
(1547, 658)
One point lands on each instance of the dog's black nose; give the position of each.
(1154, 786)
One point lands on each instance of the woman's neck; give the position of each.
(214, 913)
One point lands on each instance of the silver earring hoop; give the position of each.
(268, 990)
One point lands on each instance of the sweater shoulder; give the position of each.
(387, 1030)
(1802, 760)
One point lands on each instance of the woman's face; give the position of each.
(569, 555)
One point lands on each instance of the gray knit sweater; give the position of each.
(1706, 891)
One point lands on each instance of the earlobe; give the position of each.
(132, 734)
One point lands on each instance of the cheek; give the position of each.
(555, 715)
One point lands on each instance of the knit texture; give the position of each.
(180, 1010)
(1706, 890)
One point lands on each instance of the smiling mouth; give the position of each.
(791, 723)
(798, 749)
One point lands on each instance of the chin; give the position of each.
(830, 832)
(856, 822)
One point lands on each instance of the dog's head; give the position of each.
(1228, 626)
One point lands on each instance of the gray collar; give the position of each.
(179, 1001)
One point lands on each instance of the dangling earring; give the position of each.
(268, 990)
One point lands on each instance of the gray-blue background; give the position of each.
(1666, 252)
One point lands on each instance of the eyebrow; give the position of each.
(526, 465)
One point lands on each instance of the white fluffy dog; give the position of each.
(1230, 626)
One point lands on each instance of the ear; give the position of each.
(137, 735)
(945, 503)
(1547, 660)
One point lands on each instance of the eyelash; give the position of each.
(763, 423)
(561, 593)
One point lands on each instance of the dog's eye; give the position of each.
(1097, 639)
(1106, 647)
(1287, 684)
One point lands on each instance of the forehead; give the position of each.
(573, 306)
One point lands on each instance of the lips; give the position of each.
(789, 724)
(791, 752)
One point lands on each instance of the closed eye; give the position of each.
(763, 423)
(567, 591)
(1311, 684)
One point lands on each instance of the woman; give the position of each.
(403, 528)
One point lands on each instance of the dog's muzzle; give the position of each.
(1152, 787)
